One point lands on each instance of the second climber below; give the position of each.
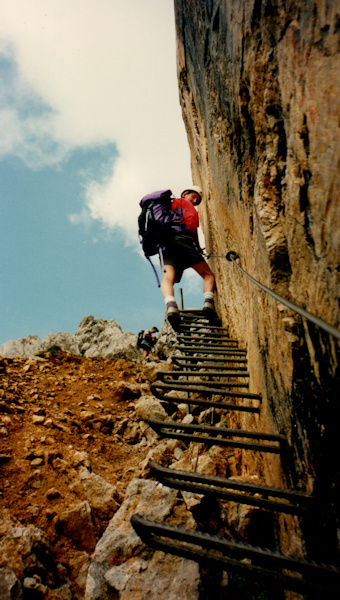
(183, 251)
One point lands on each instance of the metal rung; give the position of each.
(175, 374)
(224, 371)
(207, 337)
(203, 343)
(300, 498)
(198, 320)
(200, 326)
(211, 350)
(219, 487)
(212, 436)
(192, 311)
(205, 549)
(224, 431)
(187, 387)
(203, 334)
(205, 403)
(212, 346)
(192, 360)
(195, 314)
(215, 384)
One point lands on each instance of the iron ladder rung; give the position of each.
(182, 480)
(205, 548)
(182, 361)
(216, 436)
(200, 320)
(211, 349)
(206, 403)
(162, 375)
(206, 337)
(200, 326)
(293, 496)
(220, 385)
(196, 387)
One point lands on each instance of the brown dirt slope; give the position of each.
(58, 412)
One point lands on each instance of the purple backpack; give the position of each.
(156, 223)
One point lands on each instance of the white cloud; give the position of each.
(192, 281)
(91, 72)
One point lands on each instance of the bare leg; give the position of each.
(167, 285)
(203, 269)
(167, 288)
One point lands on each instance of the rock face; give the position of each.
(259, 83)
(120, 542)
(94, 337)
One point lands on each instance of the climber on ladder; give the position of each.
(179, 246)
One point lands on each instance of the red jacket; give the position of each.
(186, 213)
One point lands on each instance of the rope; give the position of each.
(232, 256)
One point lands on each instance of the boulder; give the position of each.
(99, 494)
(76, 524)
(120, 541)
(28, 346)
(164, 577)
(97, 337)
(10, 587)
(27, 552)
(148, 407)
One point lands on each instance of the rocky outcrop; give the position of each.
(25, 347)
(259, 83)
(121, 544)
(26, 551)
(94, 337)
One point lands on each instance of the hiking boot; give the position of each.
(209, 306)
(172, 314)
(209, 310)
(172, 309)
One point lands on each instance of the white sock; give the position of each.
(208, 295)
(169, 299)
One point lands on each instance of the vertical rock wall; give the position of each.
(259, 88)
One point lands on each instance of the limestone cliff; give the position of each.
(259, 88)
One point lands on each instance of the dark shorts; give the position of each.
(181, 252)
(146, 345)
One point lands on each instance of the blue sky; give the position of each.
(89, 123)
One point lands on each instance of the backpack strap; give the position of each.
(154, 270)
(160, 254)
(161, 260)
